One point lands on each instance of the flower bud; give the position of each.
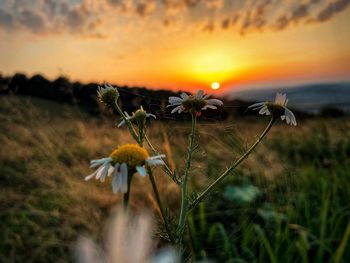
(108, 94)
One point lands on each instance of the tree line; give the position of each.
(62, 90)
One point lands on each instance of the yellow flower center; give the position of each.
(131, 154)
(192, 103)
(275, 109)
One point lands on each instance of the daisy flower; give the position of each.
(137, 117)
(128, 158)
(196, 103)
(276, 109)
(129, 238)
(108, 94)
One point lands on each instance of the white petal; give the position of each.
(288, 119)
(285, 103)
(107, 85)
(104, 171)
(157, 157)
(121, 123)
(87, 178)
(141, 170)
(263, 110)
(101, 160)
(291, 116)
(174, 104)
(176, 109)
(184, 96)
(209, 107)
(281, 99)
(124, 177)
(284, 99)
(98, 162)
(155, 162)
(109, 172)
(117, 179)
(257, 105)
(206, 96)
(151, 115)
(99, 171)
(199, 94)
(95, 165)
(278, 98)
(215, 102)
(173, 100)
(294, 121)
(116, 182)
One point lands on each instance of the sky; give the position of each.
(178, 44)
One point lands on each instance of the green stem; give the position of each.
(232, 167)
(141, 135)
(183, 211)
(166, 168)
(159, 202)
(127, 122)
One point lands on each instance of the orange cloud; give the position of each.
(102, 17)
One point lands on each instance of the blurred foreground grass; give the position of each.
(289, 202)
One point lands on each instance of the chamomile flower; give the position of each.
(193, 103)
(129, 238)
(108, 94)
(276, 109)
(126, 159)
(138, 117)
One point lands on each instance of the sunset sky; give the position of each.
(178, 44)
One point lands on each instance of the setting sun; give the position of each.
(215, 85)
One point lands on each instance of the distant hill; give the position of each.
(310, 98)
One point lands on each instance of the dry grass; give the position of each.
(45, 153)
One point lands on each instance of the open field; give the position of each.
(288, 202)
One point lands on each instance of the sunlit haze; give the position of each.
(178, 44)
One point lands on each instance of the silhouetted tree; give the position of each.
(40, 87)
(18, 83)
(64, 90)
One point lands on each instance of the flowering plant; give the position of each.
(128, 159)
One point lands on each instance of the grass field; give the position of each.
(288, 202)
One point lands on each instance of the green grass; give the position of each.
(288, 202)
(304, 213)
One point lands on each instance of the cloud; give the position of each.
(76, 17)
(209, 27)
(214, 4)
(332, 9)
(192, 3)
(281, 23)
(303, 12)
(300, 12)
(7, 20)
(123, 6)
(255, 18)
(52, 17)
(32, 20)
(146, 7)
(225, 23)
(100, 18)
